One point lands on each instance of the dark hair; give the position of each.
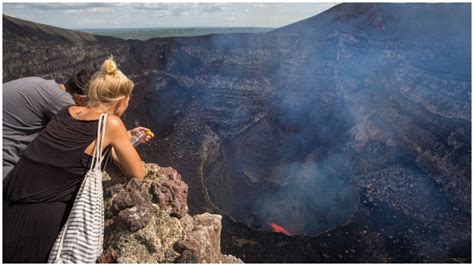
(79, 83)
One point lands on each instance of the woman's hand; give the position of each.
(147, 134)
(123, 152)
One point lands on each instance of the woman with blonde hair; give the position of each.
(39, 192)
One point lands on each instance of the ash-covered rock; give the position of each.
(147, 221)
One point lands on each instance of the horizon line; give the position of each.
(187, 27)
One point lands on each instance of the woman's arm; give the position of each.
(125, 154)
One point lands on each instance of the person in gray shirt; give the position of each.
(28, 105)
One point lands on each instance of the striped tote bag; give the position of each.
(81, 238)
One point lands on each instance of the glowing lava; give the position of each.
(279, 229)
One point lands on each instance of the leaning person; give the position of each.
(39, 192)
(28, 105)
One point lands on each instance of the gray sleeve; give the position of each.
(60, 100)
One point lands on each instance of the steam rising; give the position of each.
(309, 203)
(312, 118)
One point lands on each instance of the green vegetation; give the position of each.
(148, 33)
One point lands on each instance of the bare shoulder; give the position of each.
(74, 108)
(75, 111)
(114, 123)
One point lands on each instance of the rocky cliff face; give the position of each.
(351, 129)
(51, 52)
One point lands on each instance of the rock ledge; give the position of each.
(148, 221)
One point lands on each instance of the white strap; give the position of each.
(60, 247)
(97, 155)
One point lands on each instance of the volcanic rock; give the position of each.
(170, 193)
(140, 230)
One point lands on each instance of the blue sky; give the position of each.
(77, 15)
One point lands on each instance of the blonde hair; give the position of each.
(108, 84)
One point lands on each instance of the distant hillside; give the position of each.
(19, 28)
(33, 49)
(148, 33)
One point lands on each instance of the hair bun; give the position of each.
(109, 67)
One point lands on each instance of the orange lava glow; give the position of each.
(279, 229)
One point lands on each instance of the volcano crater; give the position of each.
(270, 175)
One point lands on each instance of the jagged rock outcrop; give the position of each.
(148, 222)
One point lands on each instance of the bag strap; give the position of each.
(60, 246)
(98, 157)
